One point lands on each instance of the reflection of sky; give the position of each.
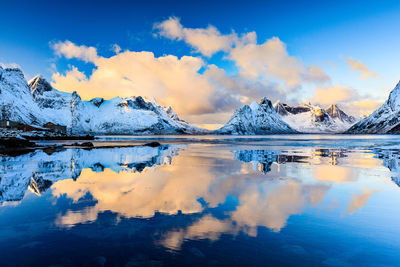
(341, 189)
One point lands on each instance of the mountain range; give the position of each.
(309, 118)
(36, 103)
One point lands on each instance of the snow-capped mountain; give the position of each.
(337, 114)
(384, 120)
(16, 101)
(256, 119)
(309, 118)
(37, 103)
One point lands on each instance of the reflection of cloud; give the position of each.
(171, 189)
(71, 218)
(271, 207)
(359, 200)
(207, 227)
(266, 204)
(334, 173)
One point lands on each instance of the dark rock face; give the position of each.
(39, 85)
(321, 116)
(97, 101)
(335, 112)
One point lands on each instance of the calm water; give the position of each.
(278, 200)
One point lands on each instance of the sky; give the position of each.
(207, 58)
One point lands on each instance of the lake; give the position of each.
(302, 200)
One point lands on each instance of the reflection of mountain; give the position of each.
(263, 159)
(391, 160)
(200, 185)
(38, 170)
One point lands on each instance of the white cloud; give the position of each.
(269, 59)
(356, 65)
(171, 80)
(174, 82)
(207, 41)
(272, 60)
(170, 28)
(347, 97)
(71, 50)
(255, 61)
(334, 94)
(316, 74)
(116, 48)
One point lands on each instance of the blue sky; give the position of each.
(316, 33)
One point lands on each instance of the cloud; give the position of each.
(272, 60)
(116, 48)
(348, 98)
(334, 94)
(70, 50)
(356, 65)
(364, 107)
(269, 59)
(170, 28)
(316, 74)
(174, 81)
(206, 41)
(244, 90)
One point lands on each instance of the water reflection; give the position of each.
(38, 170)
(219, 190)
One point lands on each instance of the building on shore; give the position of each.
(56, 128)
(9, 124)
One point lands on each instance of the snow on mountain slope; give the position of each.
(37, 103)
(16, 102)
(384, 120)
(313, 119)
(256, 119)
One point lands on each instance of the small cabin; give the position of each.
(56, 128)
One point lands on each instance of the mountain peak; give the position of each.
(267, 102)
(39, 85)
(258, 118)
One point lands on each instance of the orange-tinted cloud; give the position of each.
(356, 65)
(359, 200)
